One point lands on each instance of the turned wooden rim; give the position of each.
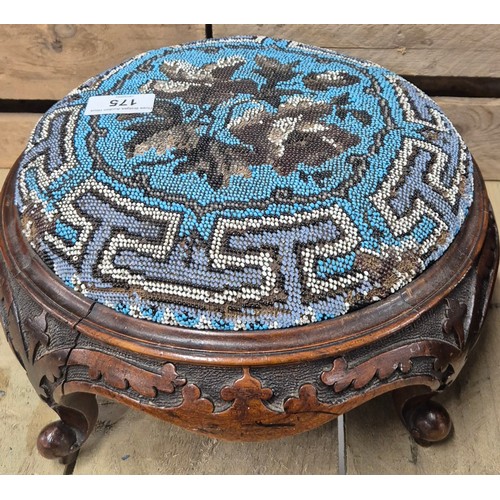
(291, 345)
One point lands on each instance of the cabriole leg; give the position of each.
(62, 439)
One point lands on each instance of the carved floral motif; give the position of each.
(247, 394)
(308, 402)
(37, 326)
(341, 376)
(122, 375)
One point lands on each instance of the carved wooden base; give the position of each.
(247, 385)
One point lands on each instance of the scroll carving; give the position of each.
(38, 329)
(489, 254)
(454, 322)
(382, 366)
(25, 337)
(122, 375)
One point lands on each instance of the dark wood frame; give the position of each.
(247, 385)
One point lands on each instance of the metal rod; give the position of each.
(342, 450)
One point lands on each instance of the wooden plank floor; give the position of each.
(157, 447)
(22, 416)
(128, 442)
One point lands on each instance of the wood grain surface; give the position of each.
(47, 61)
(477, 120)
(140, 444)
(435, 50)
(15, 129)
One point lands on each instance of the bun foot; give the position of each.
(427, 421)
(63, 439)
(57, 440)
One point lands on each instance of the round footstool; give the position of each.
(245, 237)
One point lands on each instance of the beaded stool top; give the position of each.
(272, 184)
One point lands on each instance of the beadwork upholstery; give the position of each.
(274, 184)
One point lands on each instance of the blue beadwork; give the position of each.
(274, 184)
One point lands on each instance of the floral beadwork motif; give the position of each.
(290, 125)
(274, 184)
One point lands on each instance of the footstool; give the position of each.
(245, 237)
